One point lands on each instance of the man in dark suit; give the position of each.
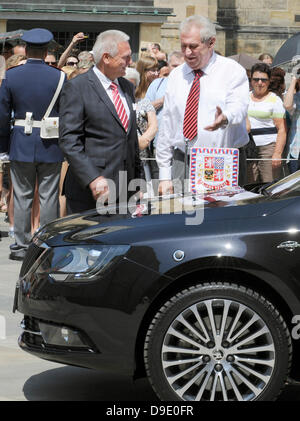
(98, 133)
(27, 92)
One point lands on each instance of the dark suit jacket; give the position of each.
(93, 138)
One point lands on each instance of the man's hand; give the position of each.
(276, 160)
(99, 188)
(165, 187)
(220, 121)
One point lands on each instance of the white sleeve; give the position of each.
(278, 110)
(164, 148)
(237, 99)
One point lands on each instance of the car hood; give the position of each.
(156, 216)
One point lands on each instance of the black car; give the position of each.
(206, 304)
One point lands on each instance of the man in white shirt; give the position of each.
(222, 108)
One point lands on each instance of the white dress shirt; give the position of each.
(106, 82)
(224, 84)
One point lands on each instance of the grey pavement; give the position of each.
(15, 365)
(27, 378)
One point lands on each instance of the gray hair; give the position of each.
(132, 73)
(107, 42)
(85, 64)
(177, 54)
(206, 28)
(85, 55)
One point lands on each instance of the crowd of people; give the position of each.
(139, 118)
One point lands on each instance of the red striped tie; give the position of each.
(190, 121)
(119, 105)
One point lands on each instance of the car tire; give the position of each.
(217, 341)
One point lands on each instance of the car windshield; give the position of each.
(288, 186)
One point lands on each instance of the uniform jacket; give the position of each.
(92, 136)
(28, 88)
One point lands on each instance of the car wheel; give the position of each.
(217, 342)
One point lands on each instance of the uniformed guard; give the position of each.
(29, 93)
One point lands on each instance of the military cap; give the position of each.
(37, 37)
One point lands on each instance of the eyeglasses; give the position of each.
(71, 63)
(51, 63)
(257, 79)
(153, 70)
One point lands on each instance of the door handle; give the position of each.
(288, 245)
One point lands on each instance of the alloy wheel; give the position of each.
(218, 350)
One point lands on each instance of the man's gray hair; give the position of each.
(107, 42)
(206, 27)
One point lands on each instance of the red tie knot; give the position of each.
(114, 86)
(198, 73)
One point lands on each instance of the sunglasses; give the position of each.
(71, 63)
(50, 63)
(257, 79)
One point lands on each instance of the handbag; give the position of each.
(251, 149)
(50, 125)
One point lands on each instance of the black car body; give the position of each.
(207, 310)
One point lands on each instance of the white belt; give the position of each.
(22, 123)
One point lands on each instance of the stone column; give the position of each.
(149, 32)
(3, 23)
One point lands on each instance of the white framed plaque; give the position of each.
(213, 169)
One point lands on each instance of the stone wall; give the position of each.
(255, 30)
(243, 25)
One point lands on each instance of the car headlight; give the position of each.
(82, 263)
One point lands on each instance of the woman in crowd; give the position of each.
(84, 66)
(266, 120)
(72, 60)
(15, 60)
(145, 112)
(292, 105)
(266, 58)
(147, 67)
(68, 54)
(163, 68)
(71, 71)
(277, 81)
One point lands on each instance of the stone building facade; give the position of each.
(242, 25)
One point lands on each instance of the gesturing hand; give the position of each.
(165, 187)
(220, 121)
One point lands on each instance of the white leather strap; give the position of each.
(35, 123)
(58, 89)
